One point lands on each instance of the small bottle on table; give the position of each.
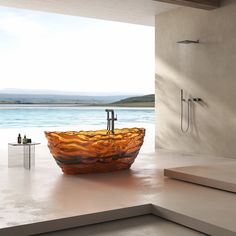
(19, 139)
(24, 140)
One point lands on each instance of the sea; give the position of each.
(18, 116)
(32, 121)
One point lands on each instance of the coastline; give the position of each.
(128, 105)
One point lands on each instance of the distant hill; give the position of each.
(64, 93)
(57, 99)
(142, 101)
(46, 97)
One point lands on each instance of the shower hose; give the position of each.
(185, 130)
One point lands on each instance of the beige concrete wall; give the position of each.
(206, 70)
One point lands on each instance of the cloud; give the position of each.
(49, 52)
(22, 27)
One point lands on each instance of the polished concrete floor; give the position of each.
(221, 176)
(44, 194)
(147, 225)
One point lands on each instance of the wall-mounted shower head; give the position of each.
(189, 41)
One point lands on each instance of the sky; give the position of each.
(69, 53)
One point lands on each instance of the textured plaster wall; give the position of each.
(206, 70)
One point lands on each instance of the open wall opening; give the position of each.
(61, 72)
(205, 70)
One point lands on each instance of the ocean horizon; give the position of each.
(32, 121)
(18, 116)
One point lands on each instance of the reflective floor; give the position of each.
(45, 194)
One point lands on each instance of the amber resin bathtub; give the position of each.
(95, 151)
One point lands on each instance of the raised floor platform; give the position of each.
(44, 200)
(221, 176)
(149, 225)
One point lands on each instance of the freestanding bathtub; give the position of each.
(95, 151)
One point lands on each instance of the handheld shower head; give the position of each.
(182, 95)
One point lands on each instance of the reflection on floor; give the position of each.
(44, 200)
(147, 225)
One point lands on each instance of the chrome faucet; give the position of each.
(111, 120)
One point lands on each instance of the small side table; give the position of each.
(21, 155)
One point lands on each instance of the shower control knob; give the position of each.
(197, 99)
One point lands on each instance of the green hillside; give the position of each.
(140, 101)
(78, 100)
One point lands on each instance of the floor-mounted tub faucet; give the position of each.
(111, 120)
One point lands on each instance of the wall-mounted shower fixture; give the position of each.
(196, 99)
(189, 102)
(182, 100)
(189, 41)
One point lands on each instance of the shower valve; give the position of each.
(197, 99)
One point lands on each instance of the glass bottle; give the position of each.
(19, 139)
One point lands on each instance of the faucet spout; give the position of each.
(111, 120)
